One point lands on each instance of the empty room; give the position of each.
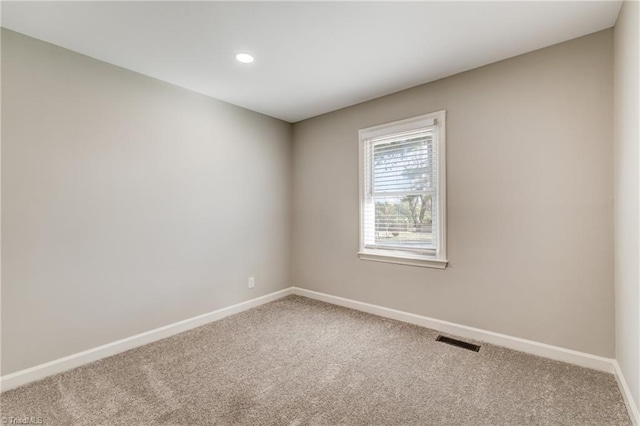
(320, 213)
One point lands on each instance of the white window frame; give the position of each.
(429, 258)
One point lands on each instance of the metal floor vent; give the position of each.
(458, 343)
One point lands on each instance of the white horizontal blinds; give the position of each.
(401, 181)
(368, 208)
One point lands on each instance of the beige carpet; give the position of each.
(302, 362)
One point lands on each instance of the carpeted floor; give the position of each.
(301, 362)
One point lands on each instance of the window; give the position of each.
(402, 192)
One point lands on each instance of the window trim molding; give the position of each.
(439, 260)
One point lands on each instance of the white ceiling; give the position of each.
(310, 57)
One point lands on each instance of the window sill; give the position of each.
(402, 258)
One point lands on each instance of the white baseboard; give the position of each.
(632, 408)
(528, 346)
(41, 371)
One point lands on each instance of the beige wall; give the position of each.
(128, 203)
(627, 195)
(530, 208)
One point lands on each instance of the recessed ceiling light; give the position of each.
(245, 58)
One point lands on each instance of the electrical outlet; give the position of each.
(252, 282)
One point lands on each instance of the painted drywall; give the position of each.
(128, 203)
(627, 194)
(530, 199)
